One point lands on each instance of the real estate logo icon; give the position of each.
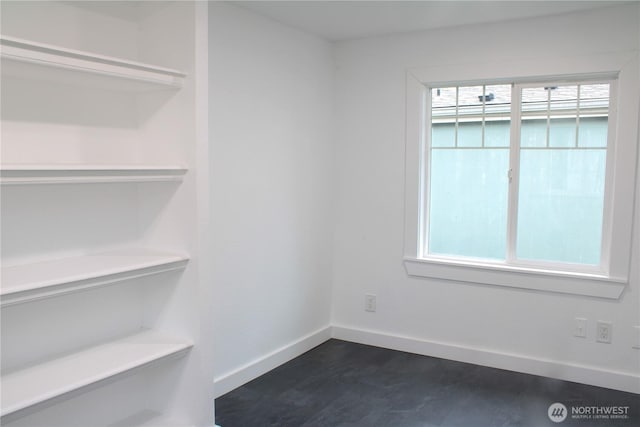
(557, 412)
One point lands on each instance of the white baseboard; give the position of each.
(616, 380)
(229, 381)
(622, 381)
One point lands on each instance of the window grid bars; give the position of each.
(484, 104)
(523, 148)
(457, 114)
(547, 130)
(483, 120)
(547, 142)
(515, 149)
(577, 115)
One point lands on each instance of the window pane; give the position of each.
(533, 133)
(562, 173)
(561, 205)
(443, 99)
(443, 135)
(470, 110)
(443, 117)
(470, 134)
(534, 101)
(562, 132)
(593, 132)
(594, 105)
(470, 100)
(563, 148)
(533, 127)
(563, 98)
(594, 96)
(497, 134)
(497, 110)
(563, 103)
(468, 202)
(498, 102)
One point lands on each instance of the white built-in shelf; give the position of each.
(40, 383)
(32, 60)
(85, 173)
(28, 282)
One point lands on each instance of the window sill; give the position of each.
(591, 285)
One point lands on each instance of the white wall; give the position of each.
(515, 329)
(271, 90)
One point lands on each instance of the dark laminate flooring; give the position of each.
(345, 384)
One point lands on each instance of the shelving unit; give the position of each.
(27, 282)
(40, 383)
(77, 174)
(97, 97)
(40, 61)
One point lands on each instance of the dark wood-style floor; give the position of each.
(345, 384)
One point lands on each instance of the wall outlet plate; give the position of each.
(370, 302)
(604, 331)
(636, 337)
(580, 327)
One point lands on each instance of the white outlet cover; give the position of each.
(370, 302)
(580, 327)
(604, 331)
(636, 337)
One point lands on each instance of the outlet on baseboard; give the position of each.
(369, 302)
(604, 331)
(580, 327)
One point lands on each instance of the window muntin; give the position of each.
(560, 166)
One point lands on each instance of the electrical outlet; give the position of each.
(636, 337)
(604, 331)
(369, 302)
(580, 327)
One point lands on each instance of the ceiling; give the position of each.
(128, 10)
(342, 20)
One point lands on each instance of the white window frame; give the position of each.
(611, 277)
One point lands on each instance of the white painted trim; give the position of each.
(38, 59)
(202, 162)
(88, 174)
(149, 418)
(515, 277)
(242, 375)
(526, 70)
(413, 181)
(621, 162)
(617, 380)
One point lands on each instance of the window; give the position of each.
(556, 179)
(522, 174)
(468, 155)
